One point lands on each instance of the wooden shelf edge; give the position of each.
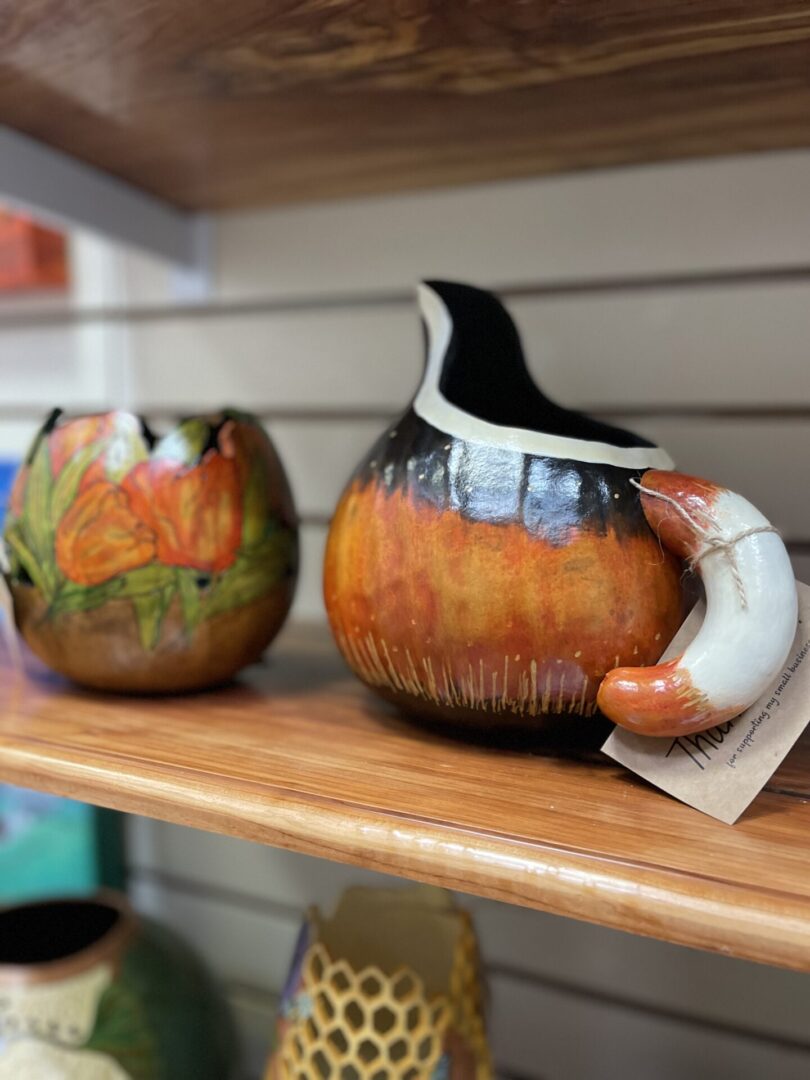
(719, 917)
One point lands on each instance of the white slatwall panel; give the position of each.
(16, 436)
(743, 345)
(42, 365)
(681, 219)
(47, 366)
(727, 215)
(672, 300)
(576, 1037)
(801, 565)
(308, 602)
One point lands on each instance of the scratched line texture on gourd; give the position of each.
(518, 690)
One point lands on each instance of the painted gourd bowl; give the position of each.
(487, 561)
(491, 560)
(88, 991)
(149, 565)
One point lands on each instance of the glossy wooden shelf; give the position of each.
(299, 755)
(229, 105)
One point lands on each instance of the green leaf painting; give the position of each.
(70, 597)
(253, 574)
(38, 530)
(254, 512)
(66, 487)
(147, 581)
(190, 586)
(24, 560)
(150, 609)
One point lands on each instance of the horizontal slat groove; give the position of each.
(28, 411)
(561, 986)
(255, 995)
(215, 891)
(146, 313)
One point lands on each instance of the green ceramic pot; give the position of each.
(89, 991)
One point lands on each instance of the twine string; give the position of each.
(713, 540)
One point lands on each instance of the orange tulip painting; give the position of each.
(187, 544)
(66, 439)
(100, 537)
(195, 514)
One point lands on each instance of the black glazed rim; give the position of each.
(53, 931)
(57, 415)
(216, 420)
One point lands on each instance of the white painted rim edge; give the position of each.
(431, 405)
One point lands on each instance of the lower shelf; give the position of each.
(299, 755)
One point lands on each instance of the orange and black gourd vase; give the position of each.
(501, 560)
(488, 561)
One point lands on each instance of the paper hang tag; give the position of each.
(722, 770)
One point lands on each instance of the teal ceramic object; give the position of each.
(49, 846)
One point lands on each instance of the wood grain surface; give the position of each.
(298, 755)
(223, 105)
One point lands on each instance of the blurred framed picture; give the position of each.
(51, 846)
(32, 256)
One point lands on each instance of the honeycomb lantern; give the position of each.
(387, 989)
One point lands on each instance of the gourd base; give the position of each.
(101, 649)
(558, 732)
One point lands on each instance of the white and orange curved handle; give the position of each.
(751, 612)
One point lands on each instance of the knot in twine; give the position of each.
(713, 540)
